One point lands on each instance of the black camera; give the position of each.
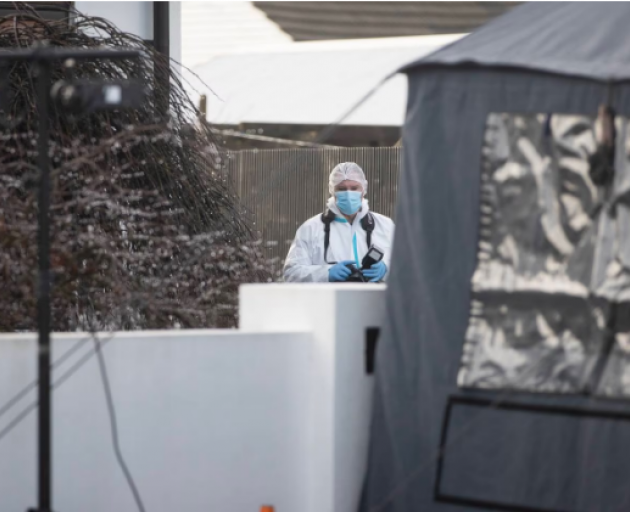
(86, 96)
(373, 256)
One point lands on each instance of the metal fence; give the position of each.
(281, 188)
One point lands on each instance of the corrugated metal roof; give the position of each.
(313, 83)
(351, 20)
(212, 28)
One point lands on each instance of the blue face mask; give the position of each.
(349, 202)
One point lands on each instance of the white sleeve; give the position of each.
(298, 267)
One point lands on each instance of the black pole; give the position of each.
(161, 27)
(42, 58)
(43, 292)
(162, 44)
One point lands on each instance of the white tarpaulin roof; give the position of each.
(313, 82)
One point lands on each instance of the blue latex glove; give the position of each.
(339, 272)
(376, 272)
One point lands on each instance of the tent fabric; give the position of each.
(544, 462)
(587, 39)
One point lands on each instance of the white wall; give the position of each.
(209, 420)
(137, 18)
(341, 394)
(175, 36)
(276, 412)
(133, 17)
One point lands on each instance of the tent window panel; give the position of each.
(551, 259)
(532, 342)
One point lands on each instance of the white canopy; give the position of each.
(312, 82)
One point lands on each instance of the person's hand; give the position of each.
(340, 272)
(376, 272)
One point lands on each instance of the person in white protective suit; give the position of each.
(350, 225)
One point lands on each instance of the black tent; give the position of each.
(503, 370)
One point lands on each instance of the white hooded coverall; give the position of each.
(305, 261)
